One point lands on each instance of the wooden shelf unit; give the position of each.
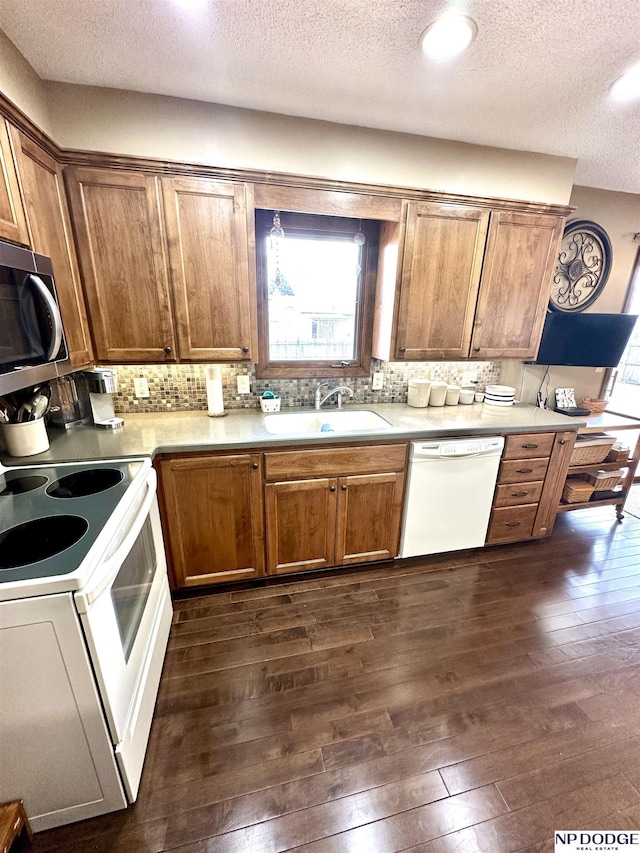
(612, 423)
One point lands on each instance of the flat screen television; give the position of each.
(585, 340)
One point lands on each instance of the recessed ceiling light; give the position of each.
(448, 36)
(627, 87)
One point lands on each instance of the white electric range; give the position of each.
(85, 614)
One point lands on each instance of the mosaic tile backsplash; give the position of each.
(181, 387)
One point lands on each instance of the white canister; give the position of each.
(418, 393)
(466, 396)
(438, 393)
(452, 396)
(26, 439)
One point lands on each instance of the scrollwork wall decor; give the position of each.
(583, 267)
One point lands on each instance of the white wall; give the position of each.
(20, 83)
(192, 131)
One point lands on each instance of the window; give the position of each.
(315, 288)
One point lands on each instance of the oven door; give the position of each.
(126, 615)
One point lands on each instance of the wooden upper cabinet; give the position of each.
(211, 240)
(521, 254)
(13, 225)
(118, 224)
(440, 278)
(50, 234)
(471, 283)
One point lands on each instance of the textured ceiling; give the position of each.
(536, 79)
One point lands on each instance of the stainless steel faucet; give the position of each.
(339, 390)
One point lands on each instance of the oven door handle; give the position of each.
(108, 572)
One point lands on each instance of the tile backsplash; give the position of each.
(181, 387)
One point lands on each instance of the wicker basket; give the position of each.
(577, 491)
(596, 407)
(604, 481)
(618, 453)
(591, 450)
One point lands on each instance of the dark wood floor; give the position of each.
(475, 702)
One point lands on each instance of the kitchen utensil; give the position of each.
(39, 405)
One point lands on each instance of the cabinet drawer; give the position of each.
(528, 446)
(511, 523)
(374, 459)
(514, 494)
(522, 470)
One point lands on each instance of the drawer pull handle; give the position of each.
(530, 446)
(524, 471)
(519, 494)
(513, 523)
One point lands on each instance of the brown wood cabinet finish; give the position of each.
(522, 470)
(528, 446)
(213, 521)
(368, 517)
(512, 523)
(370, 459)
(347, 510)
(440, 278)
(49, 224)
(513, 494)
(117, 218)
(301, 525)
(516, 279)
(211, 242)
(528, 490)
(13, 224)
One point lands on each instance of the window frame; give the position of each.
(324, 225)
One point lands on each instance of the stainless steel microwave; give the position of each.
(33, 348)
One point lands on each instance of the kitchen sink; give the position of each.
(319, 422)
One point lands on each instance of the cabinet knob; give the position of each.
(332, 488)
(403, 349)
(245, 349)
(255, 466)
(563, 441)
(167, 350)
(476, 349)
(344, 488)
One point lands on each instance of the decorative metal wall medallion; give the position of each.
(583, 267)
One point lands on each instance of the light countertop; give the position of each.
(150, 434)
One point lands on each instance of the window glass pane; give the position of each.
(313, 286)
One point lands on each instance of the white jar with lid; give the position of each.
(438, 393)
(466, 396)
(418, 393)
(452, 396)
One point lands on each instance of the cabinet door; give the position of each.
(209, 239)
(213, 518)
(440, 277)
(50, 234)
(521, 254)
(368, 519)
(301, 517)
(13, 225)
(117, 220)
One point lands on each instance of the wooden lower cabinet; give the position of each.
(530, 480)
(213, 518)
(332, 521)
(333, 507)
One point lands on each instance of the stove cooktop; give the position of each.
(51, 516)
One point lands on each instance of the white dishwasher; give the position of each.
(449, 494)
